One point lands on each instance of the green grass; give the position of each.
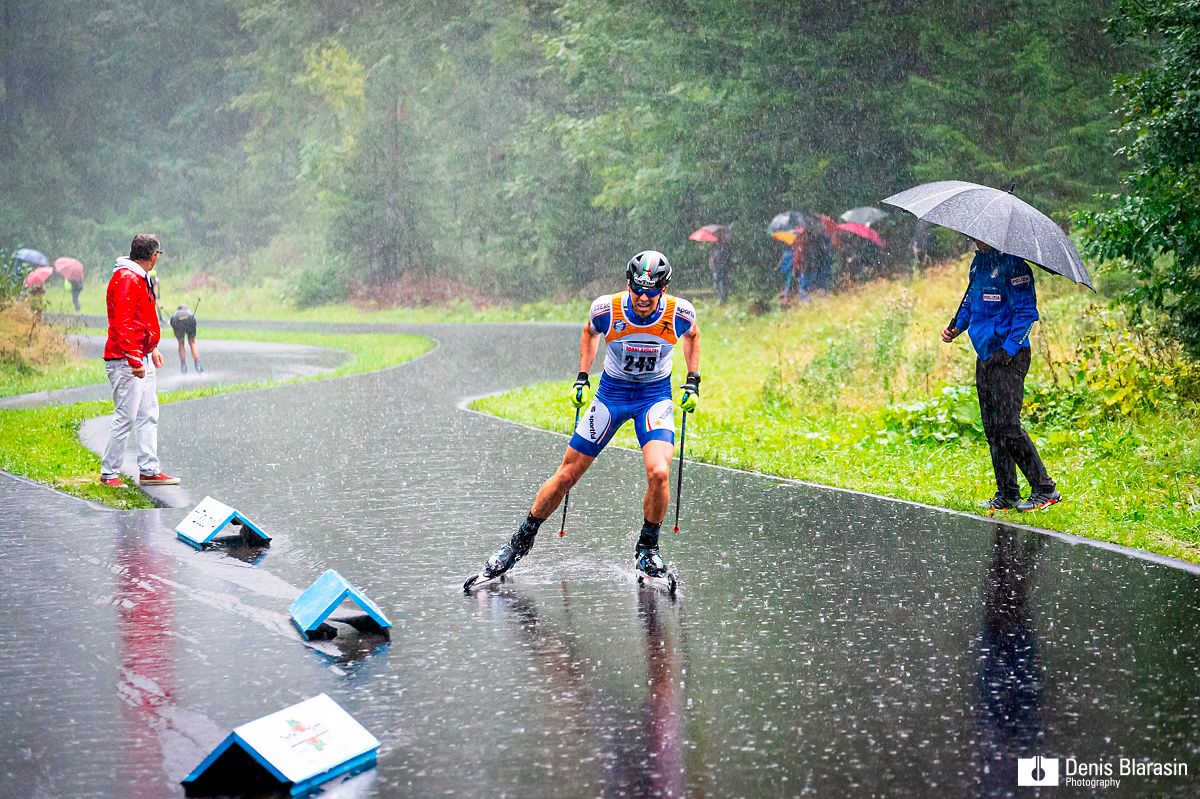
(800, 395)
(66, 374)
(263, 302)
(43, 444)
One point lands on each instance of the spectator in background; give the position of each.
(183, 324)
(922, 241)
(132, 361)
(76, 290)
(718, 262)
(156, 293)
(787, 269)
(818, 258)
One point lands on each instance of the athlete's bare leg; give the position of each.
(657, 455)
(574, 464)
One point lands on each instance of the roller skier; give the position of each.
(640, 328)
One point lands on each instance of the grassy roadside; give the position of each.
(856, 391)
(262, 303)
(43, 444)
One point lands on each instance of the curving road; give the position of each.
(823, 643)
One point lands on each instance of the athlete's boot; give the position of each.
(649, 562)
(507, 556)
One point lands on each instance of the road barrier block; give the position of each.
(211, 516)
(324, 596)
(300, 747)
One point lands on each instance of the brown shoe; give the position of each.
(112, 482)
(159, 479)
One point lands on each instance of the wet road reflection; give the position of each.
(822, 643)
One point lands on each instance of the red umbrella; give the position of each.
(69, 268)
(38, 276)
(709, 233)
(864, 231)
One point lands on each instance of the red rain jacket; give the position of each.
(133, 331)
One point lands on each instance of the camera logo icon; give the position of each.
(1034, 771)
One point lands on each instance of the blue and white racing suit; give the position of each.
(636, 383)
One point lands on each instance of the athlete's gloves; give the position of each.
(581, 391)
(691, 393)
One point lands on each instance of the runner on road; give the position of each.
(640, 328)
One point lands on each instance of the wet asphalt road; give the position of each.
(823, 643)
(224, 362)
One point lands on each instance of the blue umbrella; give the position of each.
(32, 257)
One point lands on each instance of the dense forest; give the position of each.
(524, 147)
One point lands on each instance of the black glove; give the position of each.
(692, 384)
(691, 390)
(579, 394)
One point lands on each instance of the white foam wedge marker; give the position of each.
(211, 516)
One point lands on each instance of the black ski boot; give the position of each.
(507, 556)
(649, 562)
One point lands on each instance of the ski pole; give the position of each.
(679, 482)
(562, 530)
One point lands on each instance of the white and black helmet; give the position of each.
(649, 269)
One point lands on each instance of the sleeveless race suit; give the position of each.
(636, 383)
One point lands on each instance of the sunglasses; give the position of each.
(642, 291)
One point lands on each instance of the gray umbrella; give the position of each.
(787, 220)
(865, 215)
(997, 218)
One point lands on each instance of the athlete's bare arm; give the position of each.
(691, 348)
(589, 344)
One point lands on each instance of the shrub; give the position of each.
(951, 416)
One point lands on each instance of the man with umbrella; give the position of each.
(998, 309)
(72, 271)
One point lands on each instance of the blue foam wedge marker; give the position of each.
(324, 596)
(210, 517)
(300, 747)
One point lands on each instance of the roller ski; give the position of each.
(652, 571)
(503, 559)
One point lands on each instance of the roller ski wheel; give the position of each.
(666, 582)
(507, 556)
(481, 579)
(652, 571)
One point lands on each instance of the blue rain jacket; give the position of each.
(1000, 306)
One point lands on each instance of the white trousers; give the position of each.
(135, 402)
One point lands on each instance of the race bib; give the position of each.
(639, 357)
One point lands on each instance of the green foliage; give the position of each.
(951, 416)
(1153, 229)
(826, 374)
(521, 147)
(1126, 368)
(323, 284)
(890, 334)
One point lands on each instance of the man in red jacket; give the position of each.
(131, 359)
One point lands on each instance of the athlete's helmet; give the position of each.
(649, 269)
